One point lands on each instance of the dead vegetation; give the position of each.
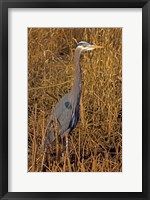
(95, 145)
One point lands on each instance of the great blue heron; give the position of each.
(66, 112)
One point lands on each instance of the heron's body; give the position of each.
(66, 112)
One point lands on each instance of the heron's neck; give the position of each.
(76, 88)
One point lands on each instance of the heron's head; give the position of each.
(85, 46)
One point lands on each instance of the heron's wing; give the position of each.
(63, 112)
(60, 120)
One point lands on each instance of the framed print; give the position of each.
(74, 99)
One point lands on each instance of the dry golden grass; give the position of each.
(95, 145)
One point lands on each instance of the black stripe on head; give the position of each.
(82, 43)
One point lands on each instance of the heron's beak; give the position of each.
(98, 47)
(91, 47)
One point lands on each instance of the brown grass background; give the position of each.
(95, 145)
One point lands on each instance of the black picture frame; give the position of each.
(4, 6)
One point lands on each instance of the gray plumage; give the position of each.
(66, 113)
